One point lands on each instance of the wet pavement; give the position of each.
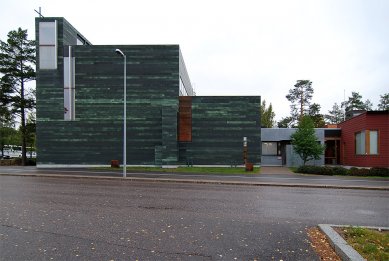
(88, 219)
(282, 177)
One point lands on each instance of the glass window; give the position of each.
(69, 111)
(48, 45)
(182, 90)
(69, 87)
(66, 82)
(373, 142)
(269, 148)
(80, 40)
(360, 143)
(67, 104)
(47, 33)
(367, 138)
(47, 57)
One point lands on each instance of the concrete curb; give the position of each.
(199, 181)
(344, 250)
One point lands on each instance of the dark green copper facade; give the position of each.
(219, 124)
(95, 136)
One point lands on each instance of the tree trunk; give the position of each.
(301, 104)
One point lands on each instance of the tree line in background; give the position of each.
(17, 100)
(300, 98)
(305, 116)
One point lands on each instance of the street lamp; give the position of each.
(119, 52)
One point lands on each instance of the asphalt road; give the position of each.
(88, 219)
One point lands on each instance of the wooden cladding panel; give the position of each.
(185, 119)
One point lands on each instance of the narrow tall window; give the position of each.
(373, 142)
(69, 85)
(48, 45)
(360, 143)
(182, 89)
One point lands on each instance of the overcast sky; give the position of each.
(242, 47)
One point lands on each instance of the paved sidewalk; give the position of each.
(275, 170)
(285, 180)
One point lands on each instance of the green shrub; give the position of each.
(315, 170)
(340, 171)
(31, 162)
(329, 171)
(16, 161)
(380, 172)
(358, 172)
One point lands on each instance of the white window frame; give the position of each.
(46, 64)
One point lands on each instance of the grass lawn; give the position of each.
(205, 170)
(293, 169)
(369, 243)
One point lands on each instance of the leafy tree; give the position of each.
(17, 58)
(368, 105)
(355, 102)
(267, 115)
(304, 141)
(384, 102)
(31, 132)
(8, 136)
(336, 115)
(285, 122)
(300, 97)
(316, 116)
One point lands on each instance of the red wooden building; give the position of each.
(365, 140)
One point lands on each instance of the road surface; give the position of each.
(87, 219)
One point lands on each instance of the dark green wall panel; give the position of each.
(218, 127)
(153, 71)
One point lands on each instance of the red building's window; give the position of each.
(366, 142)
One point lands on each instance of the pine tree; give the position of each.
(5, 100)
(300, 97)
(316, 116)
(384, 102)
(285, 122)
(355, 102)
(368, 105)
(17, 58)
(336, 115)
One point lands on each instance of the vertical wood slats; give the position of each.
(185, 119)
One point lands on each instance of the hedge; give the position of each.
(17, 162)
(324, 170)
